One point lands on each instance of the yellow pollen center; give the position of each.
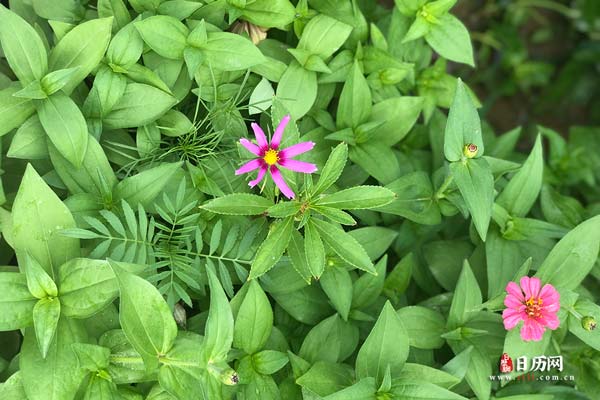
(534, 307)
(271, 156)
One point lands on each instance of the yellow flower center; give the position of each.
(534, 307)
(271, 156)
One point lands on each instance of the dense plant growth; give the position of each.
(275, 199)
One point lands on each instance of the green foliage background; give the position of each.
(134, 263)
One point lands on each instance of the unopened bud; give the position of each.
(256, 33)
(470, 150)
(588, 323)
(180, 315)
(224, 373)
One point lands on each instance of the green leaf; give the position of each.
(271, 250)
(145, 186)
(377, 159)
(55, 377)
(16, 303)
(297, 90)
(414, 199)
(365, 389)
(386, 346)
(476, 184)
(267, 362)
(239, 204)
(516, 347)
(573, 257)
(230, 52)
(466, 299)
(14, 111)
(38, 218)
(254, 320)
(412, 373)
(450, 38)
(298, 256)
(22, 47)
(139, 105)
(45, 319)
(179, 9)
(116, 9)
(359, 197)
(269, 13)
(65, 125)
(424, 391)
(219, 331)
(368, 287)
(423, 326)
(88, 286)
(399, 115)
(55, 81)
(145, 317)
(323, 35)
(355, 102)
(95, 177)
(39, 283)
(164, 34)
(91, 357)
(523, 189)
(337, 284)
(126, 48)
(585, 308)
(325, 378)
(83, 47)
(332, 170)
(463, 126)
(344, 245)
(314, 249)
(29, 142)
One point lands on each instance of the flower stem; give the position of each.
(440, 193)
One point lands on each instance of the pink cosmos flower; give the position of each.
(270, 157)
(537, 308)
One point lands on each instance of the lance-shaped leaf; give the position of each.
(271, 250)
(38, 218)
(22, 47)
(344, 245)
(359, 197)
(463, 126)
(386, 346)
(65, 125)
(45, 319)
(219, 325)
(254, 320)
(14, 111)
(332, 170)
(238, 204)
(16, 302)
(40, 284)
(145, 317)
(466, 299)
(476, 184)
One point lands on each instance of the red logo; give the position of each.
(506, 364)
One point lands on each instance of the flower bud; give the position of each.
(180, 315)
(588, 323)
(470, 150)
(224, 373)
(256, 33)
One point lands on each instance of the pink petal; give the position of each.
(251, 147)
(549, 319)
(524, 282)
(532, 330)
(280, 182)
(276, 139)
(259, 177)
(298, 166)
(513, 289)
(552, 307)
(511, 318)
(249, 166)
(296, 149)
(549, 295)
(261, 139)
(534, 286)
(511, 301)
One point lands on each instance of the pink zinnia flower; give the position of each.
(537, 308)
(271, 158)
